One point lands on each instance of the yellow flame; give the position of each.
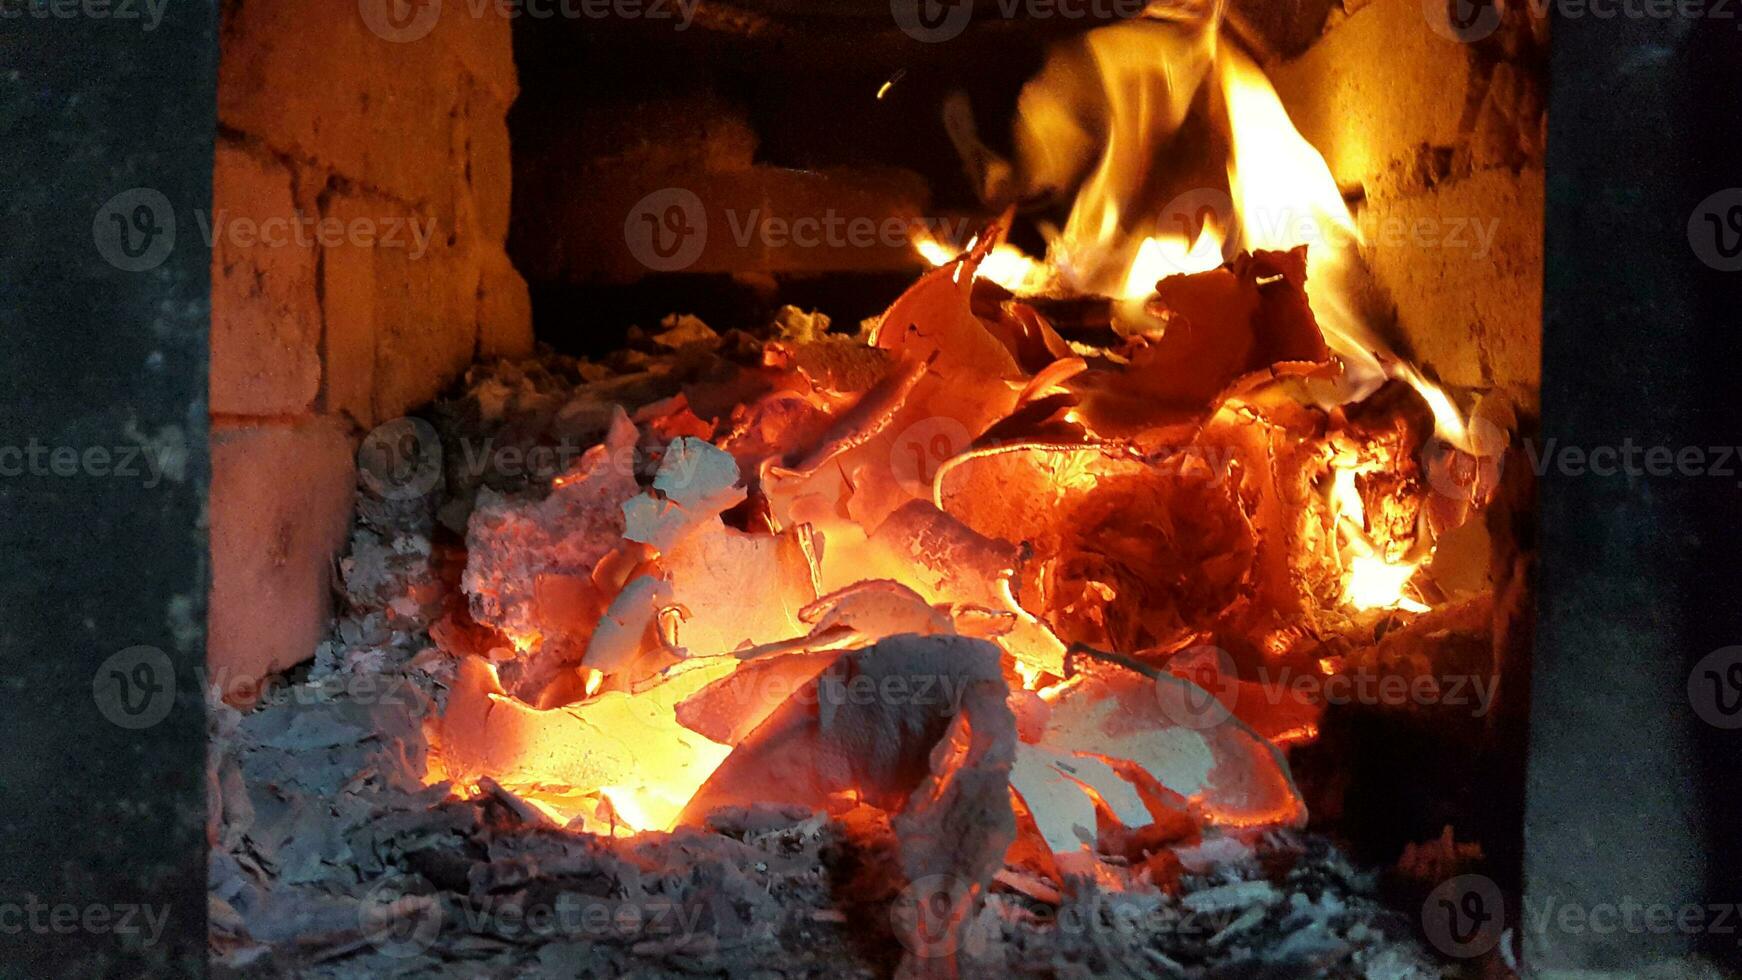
(1375, 582)
(1448, 421)
(1006, 265)
(1346, 499)
(1282, 189)
(1142, 75)
(1285, 196)
(1161, 256)
(623, 804)
(932, 250)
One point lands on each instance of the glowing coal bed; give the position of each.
(957, 644)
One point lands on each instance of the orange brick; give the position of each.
(281, 507)
(504, 308)
(266, 322)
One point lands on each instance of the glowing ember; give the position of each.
(969, 481)
(1375, 583)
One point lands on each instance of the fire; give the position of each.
(1285, 196)
(869, 505)
(1006, 265)
(1374, 582)
(1161, 256)
(1282, 189)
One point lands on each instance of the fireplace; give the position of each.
(932, 491)
(1051, 474)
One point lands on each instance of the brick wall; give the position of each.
(1444, 140)
(359, 213)
(593, 172)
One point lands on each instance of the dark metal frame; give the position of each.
(1630, 796)
(91, 813)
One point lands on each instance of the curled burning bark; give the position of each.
(1121, 552)
(864, 729)
(953, 565)
(1227, 329)
(1178, 743)
(869, 416)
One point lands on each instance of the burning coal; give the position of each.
(997, 581)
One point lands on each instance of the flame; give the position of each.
(625, 808)
(1008, 267)
(1375, 581)
(932, 250)
(1448, 420)
(1145, 73)
(1142, 75)
(1106, 108)
(1161, 256)
(629, 763)
(1285, 196)
(1282, 189)
(1005, 265)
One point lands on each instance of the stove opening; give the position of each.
(948, 490)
